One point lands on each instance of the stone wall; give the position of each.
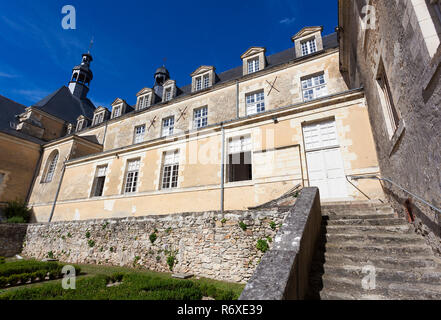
(203, 243)
(11, 239)
(404, 39)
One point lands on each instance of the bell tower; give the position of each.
(81, 77)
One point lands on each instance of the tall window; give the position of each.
(170, 170)
(100, 179)
(132, 176)
(139, 134)
(201, 117)
(99, 118)
(168, 94)
(255, 103)
(51, 166)
(253, 65)
(143, 102)
(117, 112)
(309, 47)
(239, 159)
(2, 177)
(391, 114)
(198, 83)
(314, 87)
(206, 81)
(80, 125)
(168, 125)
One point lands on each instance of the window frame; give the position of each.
(136, 135)
(143, 102)
(168, 94)
(167, 128)
(257, 102)
(310, 45)
(99, 118)
(202, 118)
(253, 65)
(315, 88)
(119, 113)
(131, 181)
(241, 148)
(80, 125)
(96, 179)
(51, 167)
(170, 170)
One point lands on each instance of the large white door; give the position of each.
(325, 164)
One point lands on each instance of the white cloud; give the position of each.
(8, 75)
(32, 95)
(287, 21)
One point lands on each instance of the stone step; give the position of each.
(375, 249)
(381, 262)
(418, 275)
(365, 222)
(372, 238)
(333, 216)
(356, 207)
(336, 288)
(357, 229)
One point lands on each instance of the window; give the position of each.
(309, 47)
(255, 103)
(198, 83)
(139, 134)
(143, 102)
(170, 171)
(100, 179)
(391, 114)
(99, 118)
(51, 166)
(206, 81)
(201, 117)
(117, 112)
(132, 176)
(168, 94)
(314, 87)
(168, 126)
(239, 160)
(2, 177)
(253, 65)
(80, 125)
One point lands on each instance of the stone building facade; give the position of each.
(392, 49)
(226, 141)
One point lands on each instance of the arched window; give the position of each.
(74, 78)
(51, 166)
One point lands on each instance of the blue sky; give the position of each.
(132, 38)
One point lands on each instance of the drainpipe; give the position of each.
(36, 171)
(222, 204)
(237, 99)
(105, 133)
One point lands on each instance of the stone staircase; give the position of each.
(365, 235)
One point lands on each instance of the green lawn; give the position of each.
(134, 284)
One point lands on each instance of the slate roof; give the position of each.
(63, 105)
(8, 110)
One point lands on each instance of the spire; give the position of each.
(82, 76)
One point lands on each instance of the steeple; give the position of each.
(81, 77)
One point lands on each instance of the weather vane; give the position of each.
(165, 61)
(91, 45)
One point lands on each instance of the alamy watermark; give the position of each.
(69, 21)
(369, 281)
(69, 278)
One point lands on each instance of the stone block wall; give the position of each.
(11, 239)
(203, 244)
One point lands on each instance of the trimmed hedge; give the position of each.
(133, 287)
(21, 272)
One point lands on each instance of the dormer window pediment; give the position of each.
(203, 78)
(254, 60)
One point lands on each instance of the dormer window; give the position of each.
(80, 125)
(99, 118)
(117, 112)
(100, 115)
(309, 47)
(253, 65)
(170, 90)
(144, 102)
(145, 98)
(203, 78)
(254, 60)
(308, 41)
